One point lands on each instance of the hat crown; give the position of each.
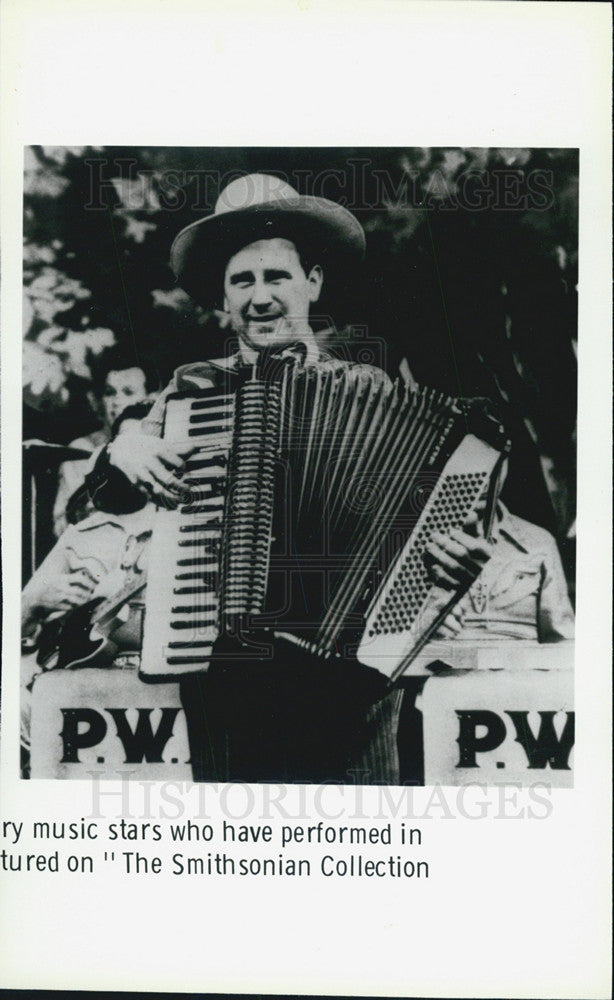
(252, 190)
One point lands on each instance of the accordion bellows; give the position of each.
(308, 506)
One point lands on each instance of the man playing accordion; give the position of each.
(264, 254)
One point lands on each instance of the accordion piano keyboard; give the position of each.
(181, 620)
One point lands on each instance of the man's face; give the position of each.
(268, 294)
(121, 389)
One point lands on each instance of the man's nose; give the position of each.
(261, 295)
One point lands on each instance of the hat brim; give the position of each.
(322, 230)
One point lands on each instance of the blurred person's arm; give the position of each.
(58, 585)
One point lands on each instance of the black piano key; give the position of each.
(216, 413)
(209, 504)
(212, 522)
(201, 526)
(189, 644)
(189, 609)
(205, 623)
(210, 580)
(197, 575)
(200, 589)
(196, 463)
(215, 483)
(210, 498)
(213, 429)
(202, 509)
(181, 661)
(209, 403)
(195, 542)
(197, 562)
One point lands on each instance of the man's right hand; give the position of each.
(151, 465)
(67, 591)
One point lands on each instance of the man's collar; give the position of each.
(305, 348)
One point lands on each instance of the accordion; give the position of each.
(309, 500)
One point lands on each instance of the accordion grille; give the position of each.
(250, 501)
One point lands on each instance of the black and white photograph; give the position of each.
(299, 467)
(306, 498)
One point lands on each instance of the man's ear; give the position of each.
(316, 280)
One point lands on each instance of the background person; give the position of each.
(521, 592)
(520, 595)
(119, 381)
(91, 559)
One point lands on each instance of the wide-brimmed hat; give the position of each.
(256, 207)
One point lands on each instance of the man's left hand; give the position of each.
(452, 625)
(456, 559)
